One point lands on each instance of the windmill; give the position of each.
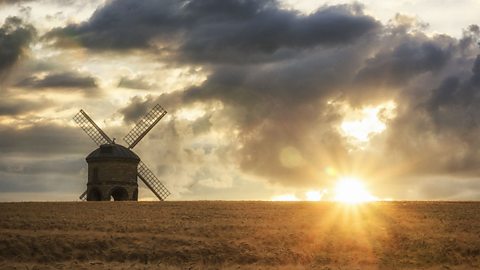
(112, 168)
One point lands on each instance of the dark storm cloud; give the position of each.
(445, 93)
(212, 30)
(288, 132)
(408, 59)
(123, 25)
(250, 85)
(136, 109)
(470, 36)
(269, 30)
(282, 78)
(274, 110)
(438, 133)
(139, 106)
(14, 39)
(59, 80)
(457, 96)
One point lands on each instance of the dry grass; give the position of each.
(232, 235)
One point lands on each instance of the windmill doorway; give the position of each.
(119, 194)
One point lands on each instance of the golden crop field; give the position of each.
(239, 235)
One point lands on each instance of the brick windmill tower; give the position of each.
(113, 169)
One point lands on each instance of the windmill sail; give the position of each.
(83, 197)
(152, 182)
(144, 126)
(92, 130)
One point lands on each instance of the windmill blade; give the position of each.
(92, 130)
(152, 182)
(83, 197)
(144, 126)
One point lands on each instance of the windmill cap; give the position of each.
(112, 151)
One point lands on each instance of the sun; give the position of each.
(351, 190)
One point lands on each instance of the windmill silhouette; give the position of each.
(112, 168)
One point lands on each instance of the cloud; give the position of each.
(134, 83)
(140, 106)
(42, 138)
(267, 31)
(10, 106)
(15, 36)
(278, 86)
(39, 157)
(283, 121)
(208, 31)
(11, 2)
(408, 59)
(442, 189)
(137, 108)
(42, 166)
(64, 80)
(42, 174)
(448, 117)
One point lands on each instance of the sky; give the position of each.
(266, 100)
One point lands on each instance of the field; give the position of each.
(245, 235)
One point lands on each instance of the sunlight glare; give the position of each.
(351, 190)
(190, 114)
(314, 195)
(372, 120)
(285, 198)
(330, 171)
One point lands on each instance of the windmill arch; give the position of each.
(119, 194)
